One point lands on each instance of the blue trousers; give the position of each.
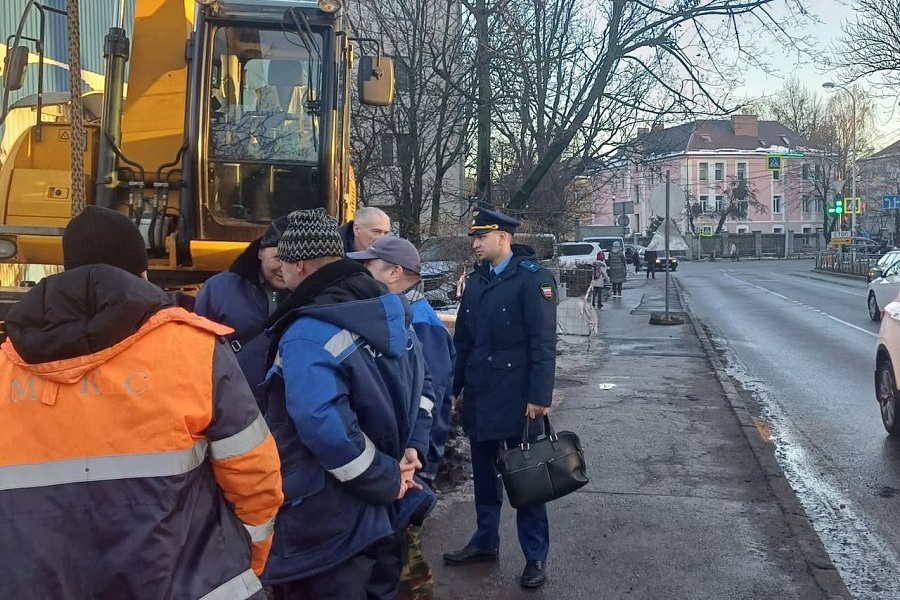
(531, 521)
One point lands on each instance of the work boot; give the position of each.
(470, 555)
(533, 576)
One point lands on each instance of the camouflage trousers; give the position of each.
(416, 577)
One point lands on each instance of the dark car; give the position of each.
(661, 263)
(444, 259)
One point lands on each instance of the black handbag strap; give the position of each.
(238, 339)
(547, 425)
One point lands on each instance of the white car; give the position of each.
(574, 254)
(886, 354)
(883, 290)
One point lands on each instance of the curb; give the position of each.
(840, 275)
(818, 561)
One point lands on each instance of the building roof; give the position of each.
(892, 151)
(716, 135)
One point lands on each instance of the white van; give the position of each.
(574, 254)
(606, 241)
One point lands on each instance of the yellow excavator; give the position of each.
(237, 112)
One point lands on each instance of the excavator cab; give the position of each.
(237, 112)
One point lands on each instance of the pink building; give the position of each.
(707, 159)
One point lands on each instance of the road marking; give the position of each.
(832, 288)
(801, 305)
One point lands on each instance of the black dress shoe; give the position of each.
(471, 554)
(533, 576)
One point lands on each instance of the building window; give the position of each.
(720, 171)
(704, 172)
(804, 173)
(744, 208)
(777, 230)
(401, 74)
(807, 229)
(720, 203)
(776, 205)
(742, 229)
(704, 203)
(742, 171)
(404, 150)
(396, 149)
(807, 203)
(817, 172)
(818, 205)
(776, 175)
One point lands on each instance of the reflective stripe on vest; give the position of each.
(103, 468)
(242, 442)
(237, 588)
(260, 533)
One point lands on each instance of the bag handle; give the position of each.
(547, 425)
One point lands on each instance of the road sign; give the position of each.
(841, 242)
(658, 199)
(794, 154)
(623, 221)
(890, 202)
(706, 231)
(854, 205)
(841, 237)
(773, 162)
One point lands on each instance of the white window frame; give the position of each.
(719, 171)
(777, 204)
(741, 166)
(704, 203)
(703, 171)
(720, 203)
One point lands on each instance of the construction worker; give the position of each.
(134, 462)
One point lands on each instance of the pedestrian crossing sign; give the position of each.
(706, 231)
(773, 162)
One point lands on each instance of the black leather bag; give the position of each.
(541, 471)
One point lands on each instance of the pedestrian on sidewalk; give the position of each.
(598, 281)
(135, 463)
(636, 260)
(506, 363)
(618, 269)
(650, 259)
(733, 252)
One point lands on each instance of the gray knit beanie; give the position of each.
(310, 233)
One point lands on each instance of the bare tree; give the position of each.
(870, 46)
(649, 58)
(403, 155)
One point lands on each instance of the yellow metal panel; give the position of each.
(40, 249)
(40, 197)
(153, 127)
(215, 256)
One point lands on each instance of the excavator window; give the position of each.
(263, 135)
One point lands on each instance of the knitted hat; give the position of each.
(103, 236)
(273, 233)
(310, 233)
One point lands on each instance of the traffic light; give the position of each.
(838, 205)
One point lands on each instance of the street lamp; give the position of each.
(828, 85)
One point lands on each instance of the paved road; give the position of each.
(803, 347)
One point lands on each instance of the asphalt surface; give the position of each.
(686, 499)
(802, 346)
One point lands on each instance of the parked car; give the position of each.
(573, 254)
(886, 260)
(887, 352)
(606, 241)
(444, 259)
(863, 246)
(630, 249)
(883, 290)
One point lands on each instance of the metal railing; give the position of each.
(845, 262)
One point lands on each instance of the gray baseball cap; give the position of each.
(394, 250)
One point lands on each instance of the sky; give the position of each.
(831, 14)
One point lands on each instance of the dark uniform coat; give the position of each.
(506, 346)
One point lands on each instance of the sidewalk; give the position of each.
(685, 499)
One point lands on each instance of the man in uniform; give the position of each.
(506, 362)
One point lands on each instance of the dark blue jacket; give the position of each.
(439, 354)
(345, 398)
(506, 346)
(237, 298)
(346, 231)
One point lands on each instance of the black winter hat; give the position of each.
(103, 236)
(273, 233)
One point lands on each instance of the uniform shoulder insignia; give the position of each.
(530, 265)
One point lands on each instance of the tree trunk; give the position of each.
(483, 115)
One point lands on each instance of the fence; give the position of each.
(751, 245)
(845, 262)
